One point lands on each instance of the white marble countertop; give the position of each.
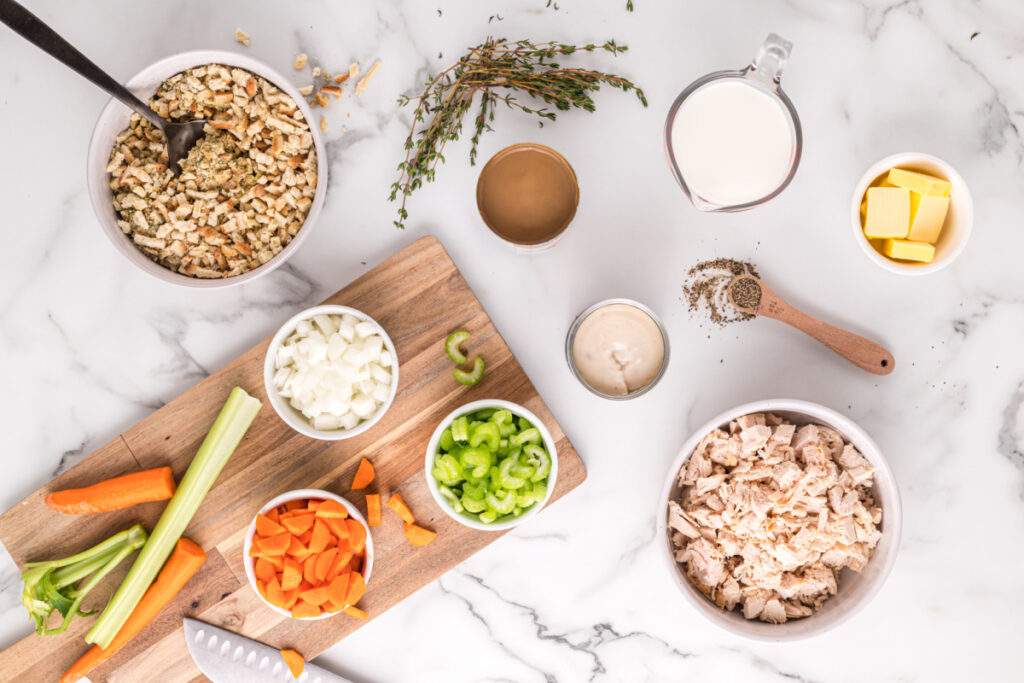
(89, 344)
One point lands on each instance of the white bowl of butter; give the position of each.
(955, 228)
(617, 348)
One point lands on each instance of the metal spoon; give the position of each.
(860, 351)
(181, 137)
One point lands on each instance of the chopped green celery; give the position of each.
(524, 496)
(450, 496)
(517, 511)
(531, 435)
(227, 431)
(480, 459)
(501, 417)
(460, 428)
(502, 504)
(503, 445)
(522, 471)
(451, 346)
(524, 424)
(446, 441)
(472, 504)
(488, 516)
(506, 429)
(494, 484)
(505, 477)
(538, 455)
(484, 414)
(473, 490)
(485, 432)
(447, 469)
(473, 376)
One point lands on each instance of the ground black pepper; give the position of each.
(707, 286)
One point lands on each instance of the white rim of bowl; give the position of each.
(910, 158)
(850, 430)
(292, 417)
(250, 563)
(199, 58)
(516, 409)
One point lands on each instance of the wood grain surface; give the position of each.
(418, 296)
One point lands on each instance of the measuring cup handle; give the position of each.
(771, 59)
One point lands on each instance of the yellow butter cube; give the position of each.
(905, 250)
(927, 214)
(888, 212)
(919, 182)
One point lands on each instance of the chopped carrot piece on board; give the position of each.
(373, 509)
(354, 611)
(397, 504)
(364, 475)
(331, 509)
(417, 535)
(294, 661)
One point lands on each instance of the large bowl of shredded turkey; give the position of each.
(779, 519)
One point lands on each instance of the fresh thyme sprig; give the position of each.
(498, 69)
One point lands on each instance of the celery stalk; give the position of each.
(220, 442)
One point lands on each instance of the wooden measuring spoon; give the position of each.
(862, 352)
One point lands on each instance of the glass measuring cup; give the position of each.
(755, 164)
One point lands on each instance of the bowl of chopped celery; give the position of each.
(491, 464)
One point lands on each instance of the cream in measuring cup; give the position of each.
(733, 137)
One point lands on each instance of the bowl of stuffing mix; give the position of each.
(247, 193)
(779, 519)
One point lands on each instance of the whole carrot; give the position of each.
(181, 566)
(115, 494)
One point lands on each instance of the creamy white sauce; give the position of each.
(732, 142)
(618, 349)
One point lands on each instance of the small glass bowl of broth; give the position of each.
(618, 349)
(527, 195)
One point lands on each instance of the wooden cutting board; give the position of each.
(418, 296)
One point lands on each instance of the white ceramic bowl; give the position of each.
(294, 418)
(114, 119)
(299, 494)
(517, 410)
(855, 590)
(955, 231)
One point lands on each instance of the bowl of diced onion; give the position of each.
(331, 372)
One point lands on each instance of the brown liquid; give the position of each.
(527, 194)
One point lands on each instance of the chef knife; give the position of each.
(226, 657)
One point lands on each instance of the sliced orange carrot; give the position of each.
(291, 576)
(356, 535)
(274, 545)
(306, 536)
(264, 570)
(417, 535)
(313, 503)
(354, 611)
(331, 509)
(364, 475)
(274, 593)
(261, 586)
(324, 561)
(309, 568)
(303, 609)
(321, 535)
(373, 509)
(277, 561)
(397, 504)
(356, 589)
(294, 504)
(290, 598)
(337, 591)
(341, 562)
(314, 596)
(299, 524)
(268, 527)
(273, 515)
(294, 661)
(304, 586)
(337, 527)
(296, 548)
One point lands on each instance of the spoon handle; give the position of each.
(32, 29)
(859, 350)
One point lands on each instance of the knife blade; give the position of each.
(226, 657)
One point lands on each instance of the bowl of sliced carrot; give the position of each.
(308, 554)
